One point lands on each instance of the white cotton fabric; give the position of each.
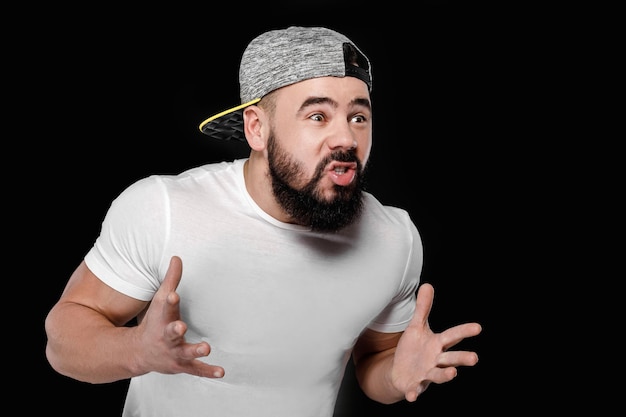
(281, 306)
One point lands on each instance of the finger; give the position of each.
(190, 351)
(205, 370)
(423, 305)
(442, 375)
(456, 334)
(193, 351)
(457, 358)
(170, 310)
(175, 331)
(416, 390)
(173, 275)
(436, 375)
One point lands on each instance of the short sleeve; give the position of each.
(129, 250)
(398, 313)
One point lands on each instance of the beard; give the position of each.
(307, 205)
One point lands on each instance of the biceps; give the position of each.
(86, 289)
(372, 342)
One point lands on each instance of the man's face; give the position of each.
(317, 161)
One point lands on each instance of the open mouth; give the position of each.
(342, 173)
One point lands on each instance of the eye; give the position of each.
(359, 118)
(318, 117)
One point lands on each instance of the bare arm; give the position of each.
(390, 367)
(88, 339)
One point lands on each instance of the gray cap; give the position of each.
(282, 57)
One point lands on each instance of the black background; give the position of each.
(113, 95)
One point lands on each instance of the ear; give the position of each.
(255, 125)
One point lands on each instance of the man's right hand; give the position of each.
(162, 333)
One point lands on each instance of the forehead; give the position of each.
(341, 89)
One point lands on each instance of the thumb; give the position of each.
(172, 276)
(423, 305)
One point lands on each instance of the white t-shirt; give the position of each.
(280, 305)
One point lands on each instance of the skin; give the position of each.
(87, 336)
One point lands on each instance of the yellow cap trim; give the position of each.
(241, 106)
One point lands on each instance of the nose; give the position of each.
(342, 136)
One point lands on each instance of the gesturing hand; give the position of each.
(162, 333)
(422, 356)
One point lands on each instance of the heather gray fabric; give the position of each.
(282, 57)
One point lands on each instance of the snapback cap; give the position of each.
(278, 58)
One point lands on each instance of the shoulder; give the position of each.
(205, 176)
(390, 223)
(196, 177)
(384, 213)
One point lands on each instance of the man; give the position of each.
(242, 288)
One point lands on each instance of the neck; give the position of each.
(258, 184)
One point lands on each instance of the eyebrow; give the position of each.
(327, 100)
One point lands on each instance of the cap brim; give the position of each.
(227, 125)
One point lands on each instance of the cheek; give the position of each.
(363, 151)
(301, 147)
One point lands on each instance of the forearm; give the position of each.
(373, 373)
(84, 345)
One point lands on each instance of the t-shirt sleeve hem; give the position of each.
(94, 264)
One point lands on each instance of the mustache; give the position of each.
(339, 156)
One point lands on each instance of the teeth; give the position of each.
(340, 170)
